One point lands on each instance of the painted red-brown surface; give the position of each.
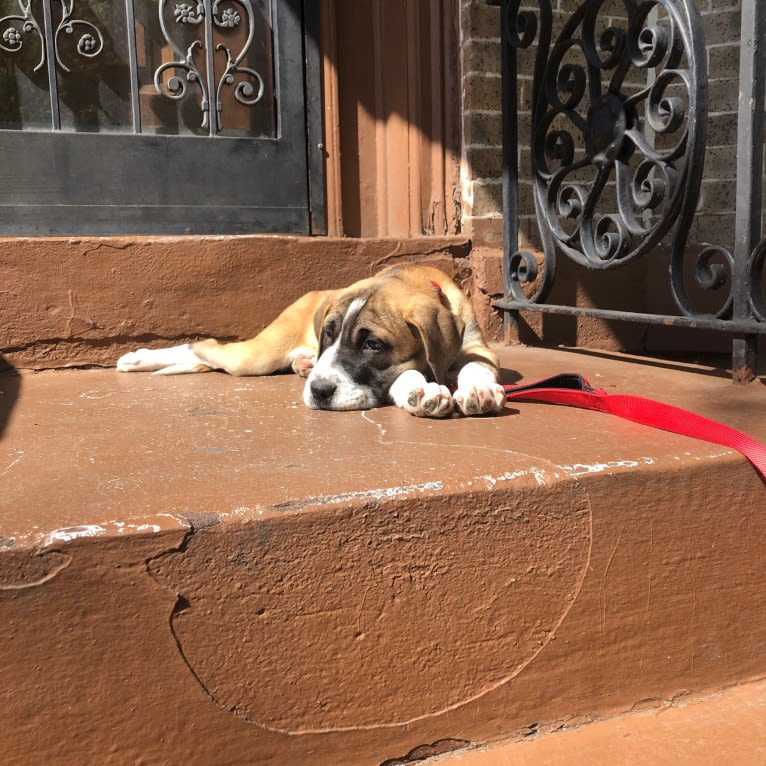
(70, 301)
(728, 727)
(198, 569)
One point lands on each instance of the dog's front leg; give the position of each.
(412, 392)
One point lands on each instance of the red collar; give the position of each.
(439, 292)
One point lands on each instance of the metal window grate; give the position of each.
(108, 108)
(99, 65)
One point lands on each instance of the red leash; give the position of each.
(573, 390)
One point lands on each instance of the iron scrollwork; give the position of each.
(248, 91)
(89, 44)
(14, 27)
(618, 138)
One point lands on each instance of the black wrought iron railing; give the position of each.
(617, 147)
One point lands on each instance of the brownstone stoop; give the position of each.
(199, 570)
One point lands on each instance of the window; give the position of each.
(159, 116)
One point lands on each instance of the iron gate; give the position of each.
(618, 116)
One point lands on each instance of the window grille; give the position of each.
(158, 116)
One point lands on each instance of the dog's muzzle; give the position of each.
(319, 392)
(331, 392)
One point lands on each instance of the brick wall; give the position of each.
(482, 134)
(482, 152)
(715, 220)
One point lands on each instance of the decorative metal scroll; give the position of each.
(619, 108)
(224, 17)
(13, 28)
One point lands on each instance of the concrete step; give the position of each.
(728, 727)
(198, 569)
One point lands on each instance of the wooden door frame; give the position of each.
(411, 187)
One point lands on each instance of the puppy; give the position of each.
(403, 336)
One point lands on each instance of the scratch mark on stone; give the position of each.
(180, 605)
(360, 614)
(381, 430)
(694, 549)
(93, 395)
(19, 456)
(602, 592)
(426, 752)
(649, 588)
(71, 313)
(104, 244)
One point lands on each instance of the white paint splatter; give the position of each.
(385, 492)
(382, 493)
(239, 511)
(583, 469)
(539, 474)
(66, 534)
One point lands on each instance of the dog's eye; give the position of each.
(373, 344)
(328, 335)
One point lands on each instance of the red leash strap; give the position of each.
(574, 391)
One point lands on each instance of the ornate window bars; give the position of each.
(199, 54)
(160, 117)
(618, 121)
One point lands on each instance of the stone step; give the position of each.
(728, 727)
(198, 569)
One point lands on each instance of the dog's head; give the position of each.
(372, 332)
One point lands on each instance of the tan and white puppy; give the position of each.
(402, 336)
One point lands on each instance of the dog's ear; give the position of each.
(441, 333)
(319, 317)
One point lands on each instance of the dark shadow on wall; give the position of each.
(10, 388)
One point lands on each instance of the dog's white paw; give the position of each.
(164, 361)
(417, 396)
(141, 360)
(480, 400)
(430, 401)
(303, 363)
(478, 393)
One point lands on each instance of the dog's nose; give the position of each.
(322, 389)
